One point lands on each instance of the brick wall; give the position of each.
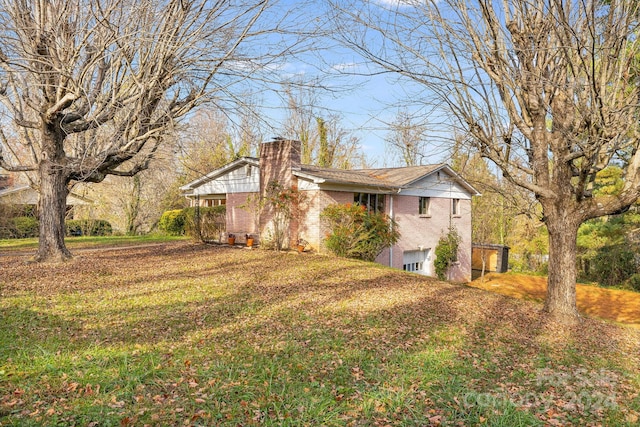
(312, 229)
(423, 232)
(6, 181)
(277, 160)
(239, 221)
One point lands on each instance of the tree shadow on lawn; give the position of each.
(344, 327)
(256, 289)
(606, 303)
(117, 269)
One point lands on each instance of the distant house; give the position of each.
(22, 195)
(424, 200)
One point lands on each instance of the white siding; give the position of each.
(235, 181)
(430, 186)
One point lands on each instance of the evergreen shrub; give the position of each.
(446, 253)
(25, 226)
(356, 232)
(173, 222)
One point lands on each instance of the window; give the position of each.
(414, 267)
(417, 261)
(455, 207)
(424, 206)
(373, 202)
(248, 170)
(213, 202)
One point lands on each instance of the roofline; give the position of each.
(188, 188)
(457, 177)
(220, 171)
(318, 180)
(13, 190)
(441, 167)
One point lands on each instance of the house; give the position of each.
(24, 195)
(424, 201)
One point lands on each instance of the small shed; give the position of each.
(495, 257)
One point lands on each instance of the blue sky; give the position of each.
(367, 104)
(368, 107)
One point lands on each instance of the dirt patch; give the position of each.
(612, 304)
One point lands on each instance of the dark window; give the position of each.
(373, 202)
(414, 266)
(455, 207)
(213, 202)
(425, 206)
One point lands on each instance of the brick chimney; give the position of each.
(278, 158)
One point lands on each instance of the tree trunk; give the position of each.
(561, 291)
(51, 208)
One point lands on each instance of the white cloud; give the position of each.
(398, 3)
(346, 67)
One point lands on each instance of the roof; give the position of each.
(24, 194)
(385, 177)
(391, 178)
(382, 178)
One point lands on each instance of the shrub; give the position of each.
(613, 265)
(446, 253)
(211, 222)
(357, 233)
(633, 282)
(285, 204)
(25, 226)
(173, 222)
(88, 227)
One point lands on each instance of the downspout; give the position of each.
(392, 216)
(391, 226)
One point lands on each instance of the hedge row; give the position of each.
(183, 221)
(27, 226)
(88, 227)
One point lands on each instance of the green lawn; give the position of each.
(188, 334)
(12, 245)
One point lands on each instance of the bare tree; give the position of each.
(205, 143)
(407, 139)
(324, 141)
(547, 89)
(93, 86)
(134, 205)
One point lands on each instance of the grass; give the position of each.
(12, 245)
(188, 334)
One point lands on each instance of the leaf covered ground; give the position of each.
(188, 334)
(619, 305)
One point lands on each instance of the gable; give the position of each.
(240, 176)
(243, 179)
(439, 184)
